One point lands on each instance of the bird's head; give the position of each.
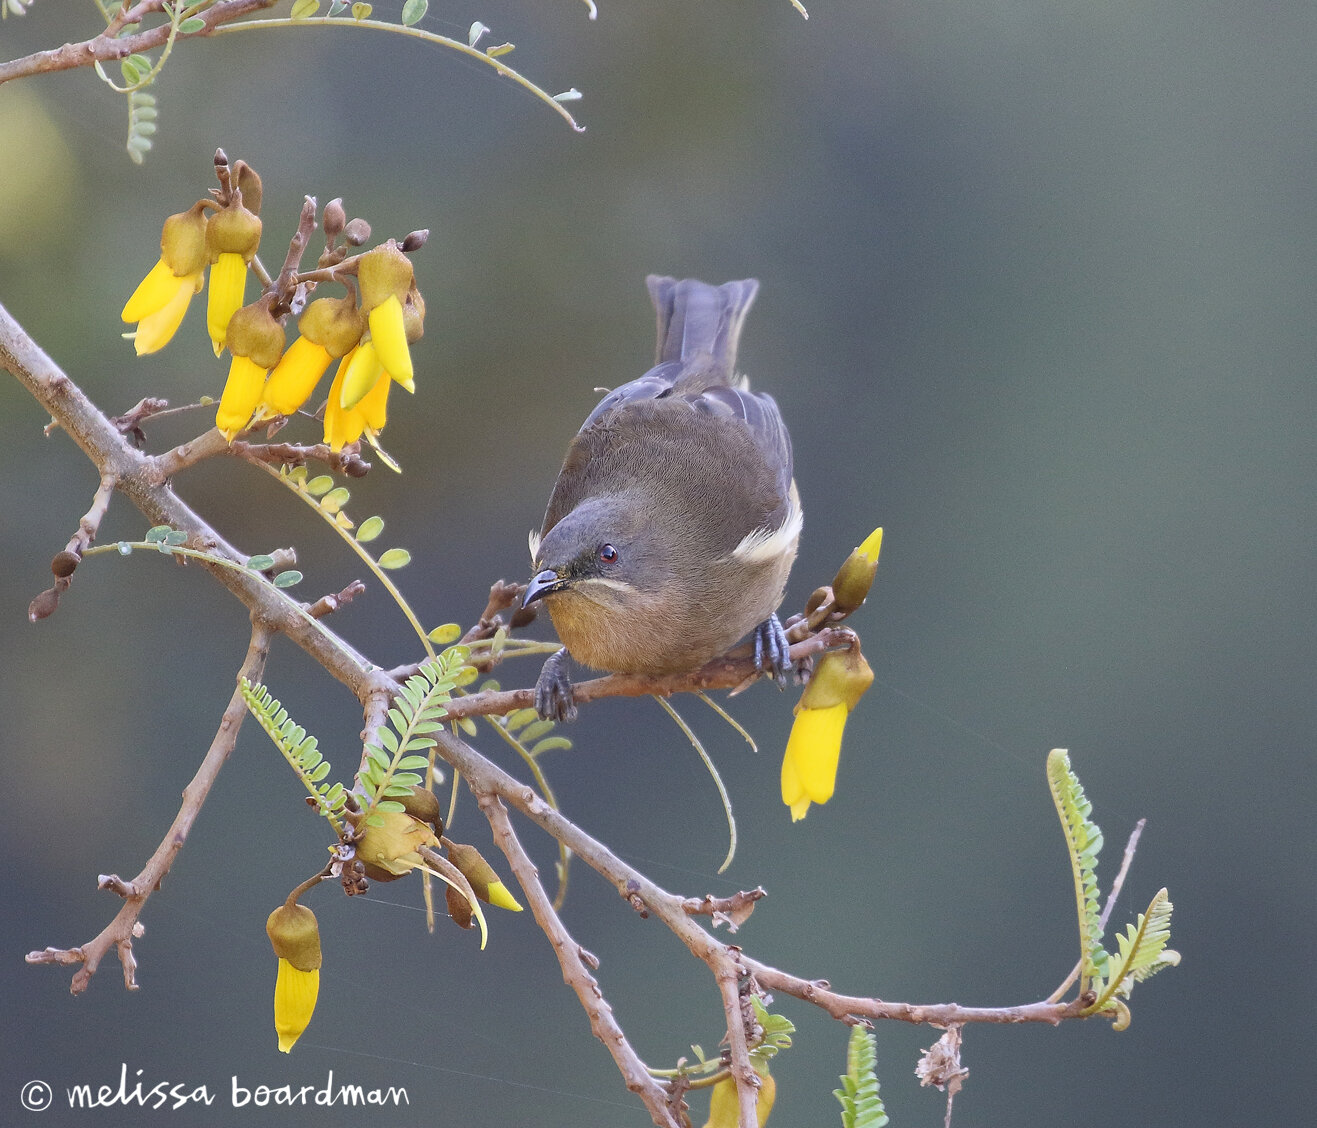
(604, 550)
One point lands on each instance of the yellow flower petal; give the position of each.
(813, 752)
(496, 893)
(295, 994)
(294, 378)
(228, 284)
(156, 329)
(362, 373)
(390, 336)
(152, 293)
(242, 392)
(342, 426)
(374, 404)
(872, 544)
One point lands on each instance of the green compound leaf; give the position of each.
(861, 1105)
(299, 749)
(1083, 841)
(1141, 952)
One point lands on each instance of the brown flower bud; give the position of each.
(356, 232)
(415, 240)
(334, 218)
(413, 314)
(459, 908)
(854, 578)
(422, 804)
(183, 241)
(64, 563)
(43, 606)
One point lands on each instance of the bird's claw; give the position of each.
(772, 650)
(554, 699)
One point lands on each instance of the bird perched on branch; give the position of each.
(675, 518)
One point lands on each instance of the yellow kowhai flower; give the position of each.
(386, 280)
(295, 936)
(369, 413)
(724, 1109)
(161, 299)
(809, 767)
(256, 341)
(330, 329)
(233, 235)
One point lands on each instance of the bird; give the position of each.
(674, 521)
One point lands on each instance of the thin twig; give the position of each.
(119, 933)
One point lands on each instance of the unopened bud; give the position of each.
(422, 804)
(356, 232)
(486, 883)
(854, 578)
(64, 563)
(415, 240)
(233, 230)
(459, 908)
(43, 606)
(334, 218)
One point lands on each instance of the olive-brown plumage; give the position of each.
(674, 521)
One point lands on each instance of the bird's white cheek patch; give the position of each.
(769, 544)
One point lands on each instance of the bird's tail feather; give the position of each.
(696, 319)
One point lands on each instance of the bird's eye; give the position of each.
(608, 554)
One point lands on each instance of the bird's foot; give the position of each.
(772, 651)
(554, 699)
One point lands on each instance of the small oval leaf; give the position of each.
(444, 634)
(395, 558)
(414, 11)
(371, 527)
(288, 579)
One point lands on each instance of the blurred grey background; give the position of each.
(1037, 296)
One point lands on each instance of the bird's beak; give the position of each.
(542, 584)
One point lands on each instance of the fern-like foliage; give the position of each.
(1084, 841)
(861, 1106)
(299, 749)
(393, 762)
(1141, 953)
(775, 1035)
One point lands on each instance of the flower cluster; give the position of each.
(369, 331)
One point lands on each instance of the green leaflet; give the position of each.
(1084, 841)
(861, 1106)
(1141, 952)
(299, 749)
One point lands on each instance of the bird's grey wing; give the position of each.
(759, 412)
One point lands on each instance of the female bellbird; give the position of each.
(675, 518)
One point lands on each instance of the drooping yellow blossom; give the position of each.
(809, 767)
(368, 414)
(233, 235)
(486, 883)
(854, 578)
(256, 340)
(330, 329)
(385, 277)
(160, 301)
(295, 938)
(725, 1112)
(362, 374)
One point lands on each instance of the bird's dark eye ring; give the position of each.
(608, 554)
